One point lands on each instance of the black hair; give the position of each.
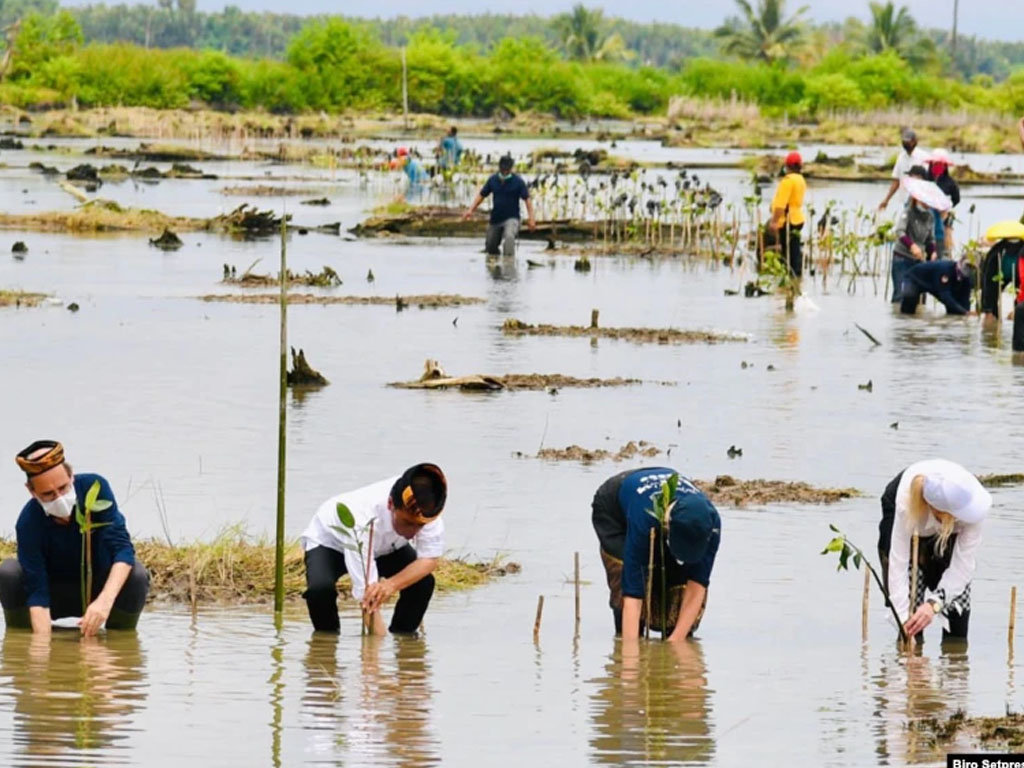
(505, 163)
(454, 131)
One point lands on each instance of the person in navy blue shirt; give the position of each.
(506, 189)
(44, 582)
(948, 281)
(623, 523)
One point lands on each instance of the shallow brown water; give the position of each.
(174, 400)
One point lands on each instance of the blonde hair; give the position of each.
(918, 510)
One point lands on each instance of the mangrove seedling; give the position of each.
(353, 542)
(661, 510)
(848, 550)
(93, 503)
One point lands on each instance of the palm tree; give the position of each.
(581, 32)
(763, 34)
(891, 29)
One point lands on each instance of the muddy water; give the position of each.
(175, 400)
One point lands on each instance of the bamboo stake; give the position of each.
(536, 621)
(650, 575)
(594, 313)
(1013, 616)
(576, 578)
(367, 616)
(864, 605)
(914, 545)
(281, 424)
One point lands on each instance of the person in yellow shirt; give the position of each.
(787, 220)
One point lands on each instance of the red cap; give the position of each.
(793, 158)
(402, 152)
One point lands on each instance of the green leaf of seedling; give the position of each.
(79, 516)
(92, 494)
(856, 561)
(835, 545)
(833, 528)
(844, 556)
(101, 505)
(345, 516)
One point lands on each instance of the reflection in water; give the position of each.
(391, 703)
(653, 705)
(74, 699)
(909, 689)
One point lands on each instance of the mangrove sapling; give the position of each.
(661, 511)
(93, 503)
(846, 550)
(354, 543)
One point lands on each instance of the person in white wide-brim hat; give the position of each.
(945, 505)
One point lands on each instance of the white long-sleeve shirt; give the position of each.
(368, 503)
(968, 537)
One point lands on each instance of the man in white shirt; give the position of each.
(909, 156)
(407, 543)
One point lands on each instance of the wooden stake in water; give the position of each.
(405, 91)
(650, 578)
(864, 605)
(536, 621)
(281, 424)
(1013, 616)
(914, 543)
(367, 615)
(576, 579)
(594, 313)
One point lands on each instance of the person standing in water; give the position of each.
(506, 189)
(945, 506)
(915, 239)
(622, 519)
(788, 214)
(910, 155)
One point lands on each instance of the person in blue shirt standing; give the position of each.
(44, 582)
(948, 281)
(449, 152)
(507, 189)
(623, 523)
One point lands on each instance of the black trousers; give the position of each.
(66, 597)
(792, 249)
(324, 566)
(930, 568)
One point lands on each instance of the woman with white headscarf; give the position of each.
(944, 505)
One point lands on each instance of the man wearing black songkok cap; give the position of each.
(44, 582)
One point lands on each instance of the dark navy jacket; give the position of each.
(635, 499)
(507, 195)
(51, 552)
(944, 281)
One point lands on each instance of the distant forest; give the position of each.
(177, 24)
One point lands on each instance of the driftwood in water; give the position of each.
(251, 222)
(448, 222)
(303, 374)
(435, 377)
(168, 241)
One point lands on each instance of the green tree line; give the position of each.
(332, 64)
(177, 24)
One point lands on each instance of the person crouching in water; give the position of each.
(623, 522)
(944, 505)
(405, 510)
(950, 282)
(915, 238)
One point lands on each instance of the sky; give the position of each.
(994, 19)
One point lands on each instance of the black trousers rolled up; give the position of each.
(792, 249)
(324, 566)
(930, 565)
(66, 597)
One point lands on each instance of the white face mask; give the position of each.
(62, 506)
